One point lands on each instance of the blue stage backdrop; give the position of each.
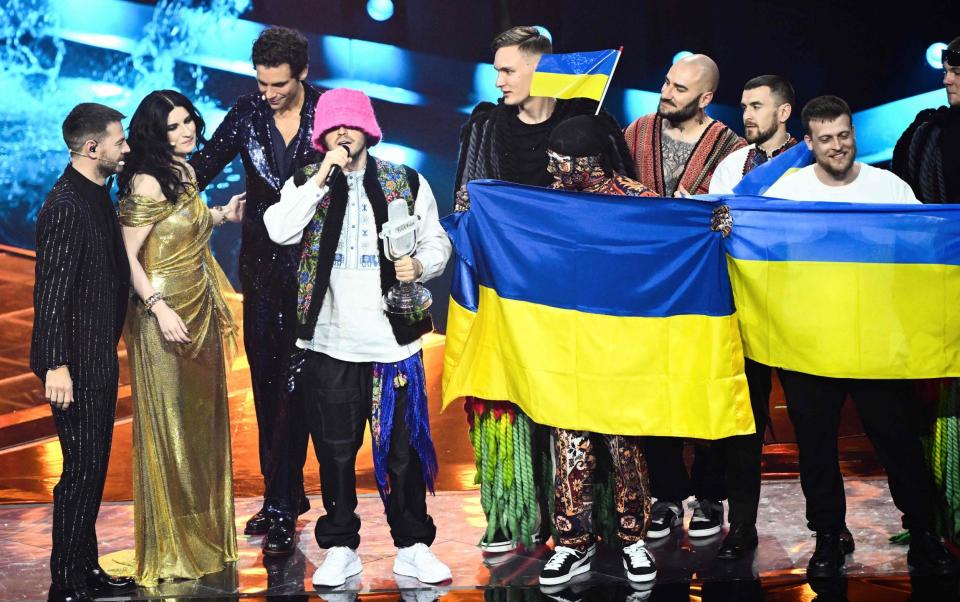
(56, 53)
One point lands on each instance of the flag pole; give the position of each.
(609, 79)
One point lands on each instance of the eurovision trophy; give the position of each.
(399, 235)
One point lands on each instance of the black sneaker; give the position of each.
(663, 517)
(707, 518)
(638, 563)
(566, 563)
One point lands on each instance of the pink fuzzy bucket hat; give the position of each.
(346, 107)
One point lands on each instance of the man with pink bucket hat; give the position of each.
(362, 363)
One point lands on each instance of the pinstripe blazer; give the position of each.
(82, 284)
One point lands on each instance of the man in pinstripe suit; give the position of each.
(80, 300)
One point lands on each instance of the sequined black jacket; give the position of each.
(82, 284)
(246, 131)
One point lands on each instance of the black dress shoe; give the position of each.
(830, 554)
(258, 524)
(103, 584)
(68, 594)
(927, 553)
(281, 539)
(741, 539)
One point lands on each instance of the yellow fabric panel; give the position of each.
(852, 320)
(678, 376)
(560, 85)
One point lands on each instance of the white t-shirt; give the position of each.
(730, 171)
(873, 185)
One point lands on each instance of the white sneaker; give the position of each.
(340, 563)
(418, 561)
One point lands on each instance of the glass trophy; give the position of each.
(399, 234)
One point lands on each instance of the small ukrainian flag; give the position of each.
(575, 74)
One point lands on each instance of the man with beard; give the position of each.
(676, 151)
(885, 406)
(508, 141)
(767, 103)
(79, 301)
(271, 133)
(678, 148)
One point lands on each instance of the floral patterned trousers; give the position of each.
(573, 491)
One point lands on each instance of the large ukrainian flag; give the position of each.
(593, 312)
(574, 75)
(847, 289)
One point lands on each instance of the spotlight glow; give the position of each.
(681, 55)
(380, 10)
(545, 32)
(935, 55)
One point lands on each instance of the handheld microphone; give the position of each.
(336, 170)
(399, 232)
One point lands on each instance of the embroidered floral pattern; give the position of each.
(393, 179)
(574, 484)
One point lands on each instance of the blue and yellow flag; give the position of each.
(574, 75)
(762, 177)
(592, 312)
(848, 289)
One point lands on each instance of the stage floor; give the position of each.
(30, 465)
(687, 567)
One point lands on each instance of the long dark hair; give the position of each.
(150, 151)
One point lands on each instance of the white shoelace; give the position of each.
(560, 554)
(698, 514)
(638, 554)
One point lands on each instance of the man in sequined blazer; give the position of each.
(270, 131)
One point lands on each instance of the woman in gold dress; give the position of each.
(177, 326)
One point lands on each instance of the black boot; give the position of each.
(103, 584)
(281, 538)
(740, 540)
(928, 554)
(830, 554)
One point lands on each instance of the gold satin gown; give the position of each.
(182, 465)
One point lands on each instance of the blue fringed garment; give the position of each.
(387, 378)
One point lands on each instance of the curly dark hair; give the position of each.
(279, 45)
(150, 151)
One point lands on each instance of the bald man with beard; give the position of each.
(677, 148)
(676, 151)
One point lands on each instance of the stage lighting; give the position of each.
(380, 10)
(681, 55)
(935, 54)
(545, 32)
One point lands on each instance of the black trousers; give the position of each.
(742, 455)
(669, 481)
(269, 337)
(85, 430)
(337, 396)
(890, 422)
